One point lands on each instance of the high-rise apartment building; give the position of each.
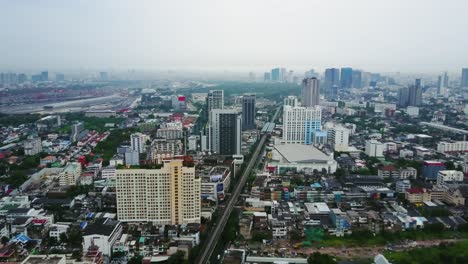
(403, 96)
(214, 100)
(224, 132)
(310, 92)
(32, 146)
(166, 196)
(70, 175)
(248, 111)
(346, 78)
(339, 137)
(138, 142)
(464, 78)
(291, 101)
(300, 124)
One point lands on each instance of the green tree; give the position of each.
(318, 258)
(177, 258)
(135, 260)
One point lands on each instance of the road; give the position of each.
(210, 244)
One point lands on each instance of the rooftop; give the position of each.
(301, 153)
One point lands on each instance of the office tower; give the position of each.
(339, 137)
(248, 112)
(59, 77)
(311, 73)
(45, 76)
(332, 78)
(224, 132)
(275, 74)
(291, 101)
(22, 78)
(103, 76)
(374, 148)
(283, 75)
(300, 123)
(415, 94)
(357, 79)
(138, 142)
(310, 92)
(464, 78)
(252, 77)
(446, 80)
(439, 84)
(267, 77)
(166, 196)
(403, 96)
(346, 78)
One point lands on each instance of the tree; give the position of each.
(318, 258)
(5, 240)
(177, 258)
(449, 165)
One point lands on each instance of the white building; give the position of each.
(103, 233)
(169, 133)
(71, 174)
(301, 158)
(166, 196)
(192, 142)
(454, 146)
(132, 157)
(32, 146)
(108, 172)
(406, 153)
(291, 101)
(138, 142)
(339, 137)
(449, 176)
(300, 123)
(100, 113)
(374, 148)
(402, 186)
(412, 111)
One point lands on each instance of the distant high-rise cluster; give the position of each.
(410, 96)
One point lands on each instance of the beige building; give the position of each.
(71, 174)
(168, 196)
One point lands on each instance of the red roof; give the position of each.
(416, 190)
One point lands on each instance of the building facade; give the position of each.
(166, 196)
(224, 135)
(300, 123)
(248, 111)
(310, 92)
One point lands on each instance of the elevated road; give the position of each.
(210, 244)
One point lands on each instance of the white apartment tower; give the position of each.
(166, 196)
(374, 148)
(138, 142)
(300, 123)
(339, 138)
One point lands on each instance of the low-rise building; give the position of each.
(71, 174)
(449, 176)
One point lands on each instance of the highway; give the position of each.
(212, 240)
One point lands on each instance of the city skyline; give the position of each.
(180, 35)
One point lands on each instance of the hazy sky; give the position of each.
(376, 35)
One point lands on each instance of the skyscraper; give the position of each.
(357, 79)
(403, 96)
(248, 111)
(214, 100)
(166, 196)
(332, 78)
(415, 94)
(310, 92)
(346, 78)
(45, 76)
(446, 80)
(300, 123)
(224, 132)
(464, 78)
(291, 101)
(439, 84)
(267, 77)
(138, 142)
(275, 75)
